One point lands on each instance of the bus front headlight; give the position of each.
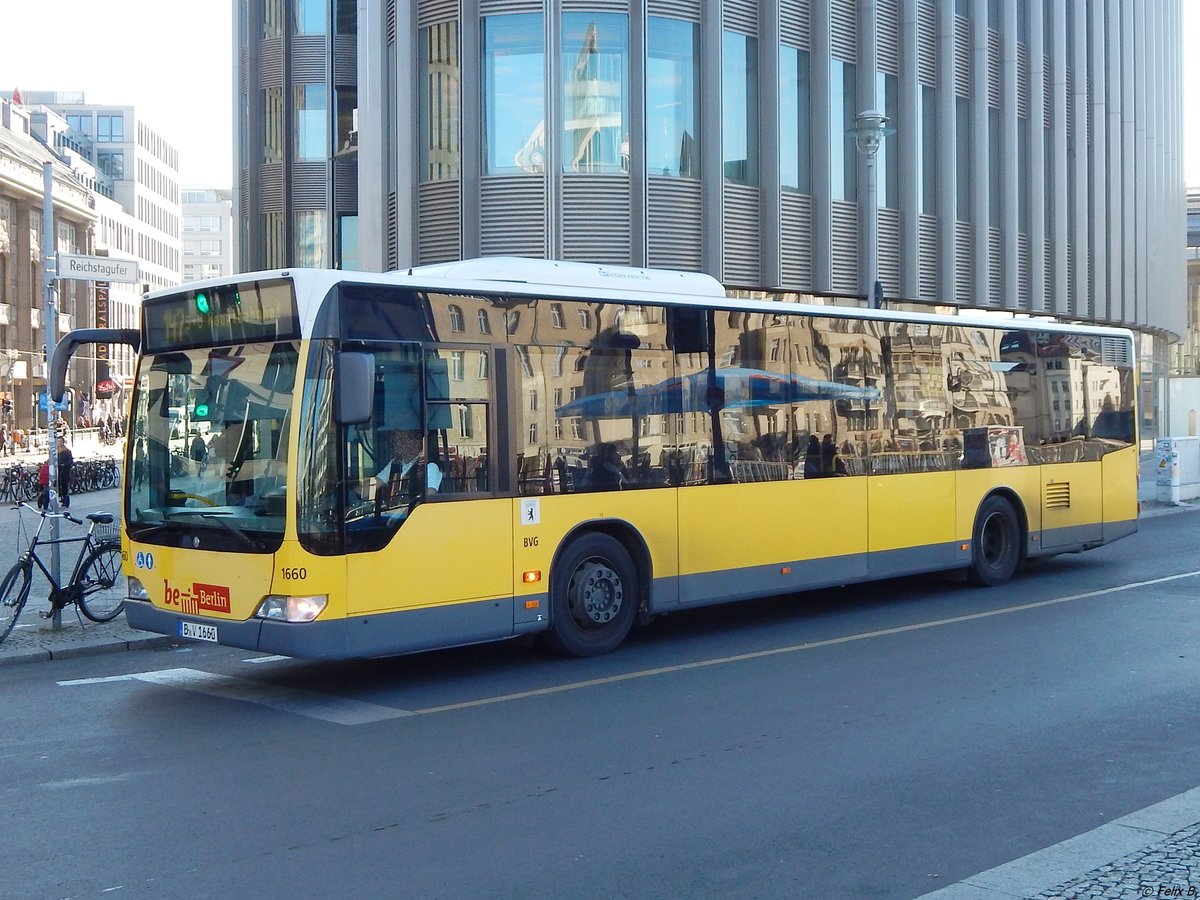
(136, 590)
(291, 609)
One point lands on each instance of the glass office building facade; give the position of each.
(1032, 162)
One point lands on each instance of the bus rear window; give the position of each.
(241, 313)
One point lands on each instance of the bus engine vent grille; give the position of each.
(1114, 351)
(1058, 496)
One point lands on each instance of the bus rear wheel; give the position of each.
(594, 597)
(996, 544)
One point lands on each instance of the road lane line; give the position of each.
(793, 648)
(103, 680)
(314, 705)
(84, 782)
(343, 711)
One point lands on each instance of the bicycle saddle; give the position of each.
(100, 518)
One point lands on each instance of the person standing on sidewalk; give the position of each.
(66, 460)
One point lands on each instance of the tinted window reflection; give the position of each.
(596, 414)
(1073, 394)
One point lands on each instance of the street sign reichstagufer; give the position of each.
(97, 268)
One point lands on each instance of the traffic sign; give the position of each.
(44, 403)
(97, 268)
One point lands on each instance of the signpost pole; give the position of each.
(60, 267)
(49, 332)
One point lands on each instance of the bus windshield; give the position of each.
(209, 430)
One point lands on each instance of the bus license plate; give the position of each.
(198, 632)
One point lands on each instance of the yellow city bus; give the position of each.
(334, 464)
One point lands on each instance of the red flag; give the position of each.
(16, 97)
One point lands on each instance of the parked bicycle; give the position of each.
(96, 474)
(18, 483)
(96, 587)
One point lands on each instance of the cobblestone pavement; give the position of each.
(1153, 852)
(1170, 868)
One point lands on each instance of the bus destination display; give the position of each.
(240, 313)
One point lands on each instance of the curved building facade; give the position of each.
(295, 86)
(1031, 160)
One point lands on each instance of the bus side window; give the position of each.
(458, 387)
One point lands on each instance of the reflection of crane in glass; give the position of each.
(594, 115)
(532, 155)
(593, 122)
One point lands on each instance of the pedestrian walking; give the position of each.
(199, 452)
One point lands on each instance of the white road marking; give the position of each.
(794, 648)
(265, 659)
(343, 711)
(314, 705)
(105, 679)
(84, 782)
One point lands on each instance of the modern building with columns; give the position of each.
(1032, 159)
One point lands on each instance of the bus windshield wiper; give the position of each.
(234, 530)
(141, 530)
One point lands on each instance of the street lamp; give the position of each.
(869, 130)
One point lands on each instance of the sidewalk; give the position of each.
(33, 640)
(1153, 852)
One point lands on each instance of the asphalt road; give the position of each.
(878, 741)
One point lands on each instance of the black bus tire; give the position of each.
(594, 596)
(996, 543)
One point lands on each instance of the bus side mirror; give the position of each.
(353, 387)
(68, 343)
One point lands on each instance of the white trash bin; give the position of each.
(1177, 477)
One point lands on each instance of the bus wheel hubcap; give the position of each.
(596, 594)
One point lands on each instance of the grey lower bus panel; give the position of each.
(385, 634)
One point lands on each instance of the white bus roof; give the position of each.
(551, 272)
(615, 284)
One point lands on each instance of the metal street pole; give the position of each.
(869, 128)
(49, 332)
(872, 232)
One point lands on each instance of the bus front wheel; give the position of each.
(593, 597)
(996, 544)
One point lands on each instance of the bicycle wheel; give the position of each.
(102, 594)
(14, 591)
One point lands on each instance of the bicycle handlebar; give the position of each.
(46, 514)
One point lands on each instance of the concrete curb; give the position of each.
(94, 647)
(1076, 859)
